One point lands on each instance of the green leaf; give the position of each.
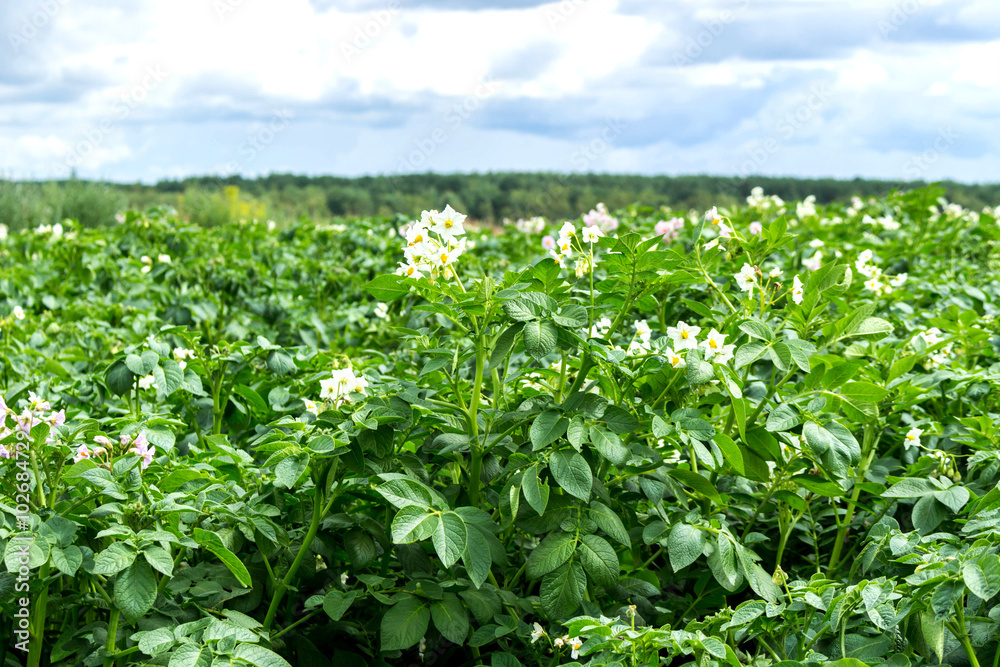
(610, 523)
(160, 559)
(911, 487)
(552, 552)
(404, 491)
(944, 598)
(477, 557)
(503, 345)
(548, 427)
(865, 392)
(730, 451)
(954, 498)
(213, 544)
(189, 655)
(982, 577)
(572, 316)
(114, 559)
(67, 559)
(609, 445)
(932, 629)
(757, 329)
(696, 482)
(870, 328)
(562, 591)
(684, 545)
(620, 420)
(928, 513)
(290, 469)
(413, 523)
(119, 379)
(259, 656)
(572, 473)
(280, 363)
(599, 560)
(698, 371)
(782, 418)
(451, 618)
(388, 287)
(536, 492)
(337, 602)
(449, 538)
(540, 338)
(404, 624)
(135, 590)
(749, 353)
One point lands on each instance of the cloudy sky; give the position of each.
(153, 89)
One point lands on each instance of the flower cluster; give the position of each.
(563, 248)
(433, 244)
(339, 388)
(806, 208)
(758, 200)
(884, 221)
(104, 452)
(55, 231)
(574, 643)
(181, 355)
(669, 229)
(601, 218)
(685, 337)
(939, 357)
(535, 225)
(34, 413)
(640, 342)
(877, 282)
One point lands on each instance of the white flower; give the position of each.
(3, 232)
(798, 293)
(725, 231)
(600, 328)
(18, 313)
(723, 355)
(582, 267)
(567, 229)
(642, 330)
(311, 406)
(559, 641)
(674, 359)
(558, 259)
(4, 452)
(637, 347)
(775, 273)
(163, 259)
(574, 644)
(873, 284)
(756, 227)
(683, 336)
(565, 245)
(912, 438)
(537, 633)
(814, 262)
(746, 278)
(591, 234)
(716, 349)
(816, 243)
(898, 279)
(82, 452)
(381, 310)
(448, 223)
(343, 578)
(548, 243)
(712, 216)
(409, 269)
(146, 382)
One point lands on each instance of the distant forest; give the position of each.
(489, 197)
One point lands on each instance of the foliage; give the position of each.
(766, 435)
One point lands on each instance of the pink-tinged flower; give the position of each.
(36, 402)
(57, 418)
(5, 453)
(142, 448)
(81, 453)
(756, 227)
(125, 440)
(27, 421)
(3, 407)
(102, 440)
(548, 243)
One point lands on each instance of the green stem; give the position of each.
(868, 453)
(964, 638)
(475, 448)
(38, 622)
(109, 660)
(279, 591)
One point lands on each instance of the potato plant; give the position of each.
(766, 435)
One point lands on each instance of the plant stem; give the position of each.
(868, 453)
(38, 623)
(109, 660)
(475, 449)
(279, 591)
(964, 638)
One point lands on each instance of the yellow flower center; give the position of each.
(418, 238)
(448, 224)
(713, 344)
(444, 258)
(409, 270)
(684, 335)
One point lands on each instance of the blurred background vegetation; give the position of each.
(489, 197)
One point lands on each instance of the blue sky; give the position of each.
(145, 90)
